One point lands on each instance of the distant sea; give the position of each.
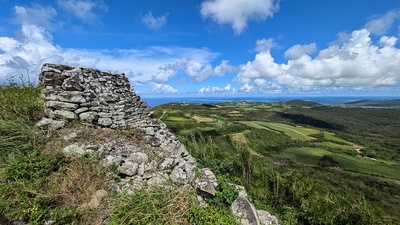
(328, 100)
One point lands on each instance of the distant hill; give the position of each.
(375, 103)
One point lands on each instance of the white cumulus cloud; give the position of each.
(263, 65)
(200, 70)
(164, 89)
(25, 54)
(246, 88)
(359, 62)
(154, 23)
(217, 90)
(237, 13)
(387, 41)
(296, 51)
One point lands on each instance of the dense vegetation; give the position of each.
(39, 183)
(305, 162)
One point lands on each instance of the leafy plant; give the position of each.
(225, 194)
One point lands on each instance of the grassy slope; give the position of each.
(39, 183)
(263, 120)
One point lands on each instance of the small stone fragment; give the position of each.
(73, 149)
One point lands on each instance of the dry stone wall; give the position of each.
(107, 100)
(99, 98)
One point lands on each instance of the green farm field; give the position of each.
(311, 156)
(300, 133)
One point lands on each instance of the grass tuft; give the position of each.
(156, 205)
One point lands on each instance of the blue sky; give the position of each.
(211, 47)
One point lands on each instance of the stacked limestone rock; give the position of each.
(95, 97)
(106, 100)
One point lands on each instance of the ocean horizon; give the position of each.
(325, 100)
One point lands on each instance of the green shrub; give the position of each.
(210, 215)
(224, 195)
(328, 161)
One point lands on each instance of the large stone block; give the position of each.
(105, 122)
(128, 169)
(90, 117)
(245, 212)
(61, 105)
(206, 183)
(72, 97)
(63, 114)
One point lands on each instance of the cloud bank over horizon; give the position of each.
(358, 60)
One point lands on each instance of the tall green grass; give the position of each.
(18, 138)
(20, 103)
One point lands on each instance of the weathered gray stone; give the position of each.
(112, 160)
(167, 164)
(73, 149)
(72, 97)
(149, 131)
(89, 117)
(266, 218)
(206, 183)
(105, 115)
(49, 124)
(138, 157)
(154, 142)
(67, 115)
(128, 169)
(158, 179)
(142, 168)
(74, 80)
(51, 97)
(48, 68)
(191, 172)
(105, 122)
(182, 152)
(81, 110)
(61, 105)
(178, 176)
(245, 211)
